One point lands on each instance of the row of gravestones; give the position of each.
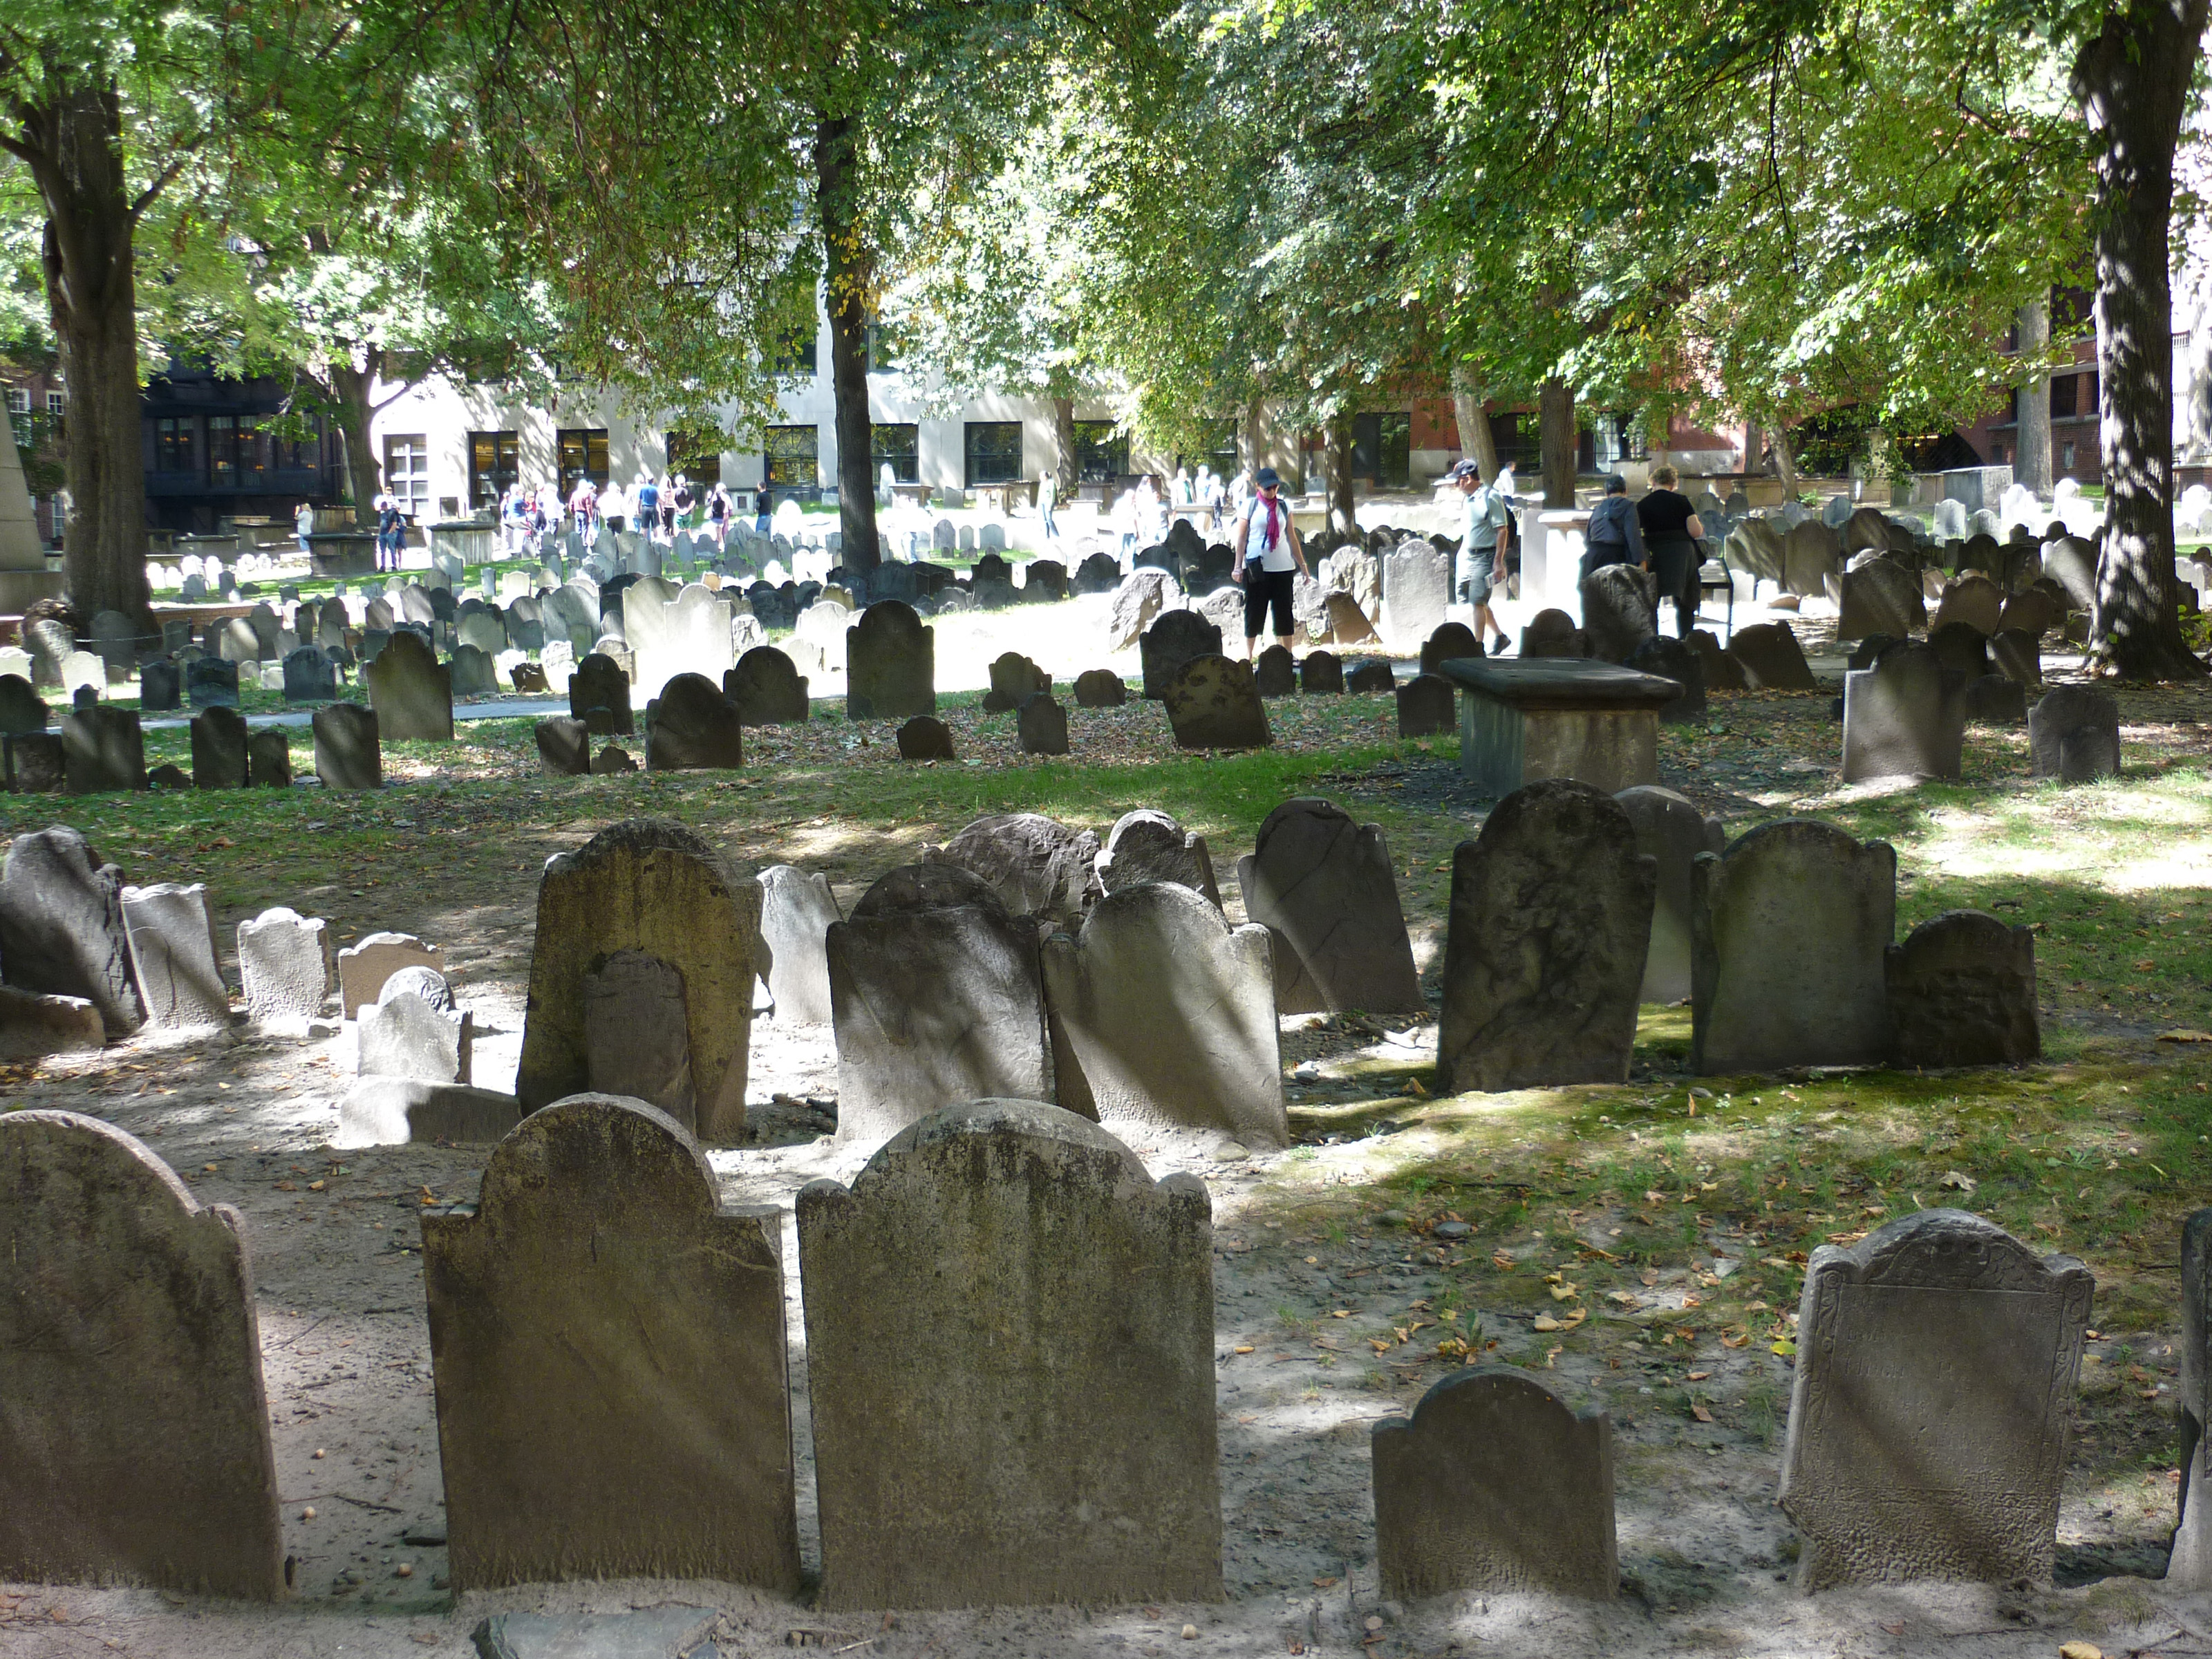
(1905, 714)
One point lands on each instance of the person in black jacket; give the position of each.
(1614, 537)
(1671, 532)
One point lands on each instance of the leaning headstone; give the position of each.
(1970, 599)
(890, 663)
(1162, 1015)
(650, 886)
(1148, 846)
(1416, 588)
(348, 755)
(1962, 992)
(1212, 702)
(219, 740)
(1141, 598)
(1672, 831)
(1176, 638)
(130, 1367)
(402, 1034)
(1041, 725)
(766, 688)
(285, 970)
(1551, 926)
(1495, 1485)
(1936, 1365)
(1904, 717)
(102, 750)
(797, 912)
(564, 747)
(50, 643)
(1880, 597)
(924, 738)
(269, 759)
(636, 1039)
(1037, 865)
(1771, 658)
(2072, 563)
(411, 691)
(1426, 707)
(693, 728)
(603, 1300)
(1052, 1411)
(1790, 929)
(310, 676)
(173, 960)
(83, 673)
(2074, 735)
(1324, 887)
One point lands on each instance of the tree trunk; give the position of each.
(848, 282)
(1343, 506)
(1251, 438)
(1555, 419)
(1063, 443)
(76, 141)
(348, 389)
(1785, 460)
(1476, 441)
(2132, 79)
(2030, 460)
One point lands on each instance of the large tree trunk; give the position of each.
(849, 280)
(348, 388)
(1555, 420)
(1785, 459)
(1343, 505)
(1063, 443)
(2031, 460)
(74, 141)
(1476, 441)
(2132, 79)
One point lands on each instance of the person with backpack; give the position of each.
(1484, 538)
(1614, 536)
(1672, 530)
(1269, 559)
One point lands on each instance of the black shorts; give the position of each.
(1261, 589)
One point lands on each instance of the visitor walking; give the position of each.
(1125, 525)
(614, 507)
(647, 495)
(390, 533)
(1614, 537)
(1210, 495)
(1047, 500)
(1672, 530)
(763, 510)
(584, 507)
(1269, 559)
(667, 507)
(303, 524)
(1487, 527)
(718, 516)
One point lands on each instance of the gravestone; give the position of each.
(1904, 717)
(766, 688)
(234, 640)
(564, 747)
(600, 683)
(365, 969)
(310, 676)
(603, 1300)
(1961, 647)
(797, 912)
(285, 970)
(937, 996)
(2033, 612)
(402, 1034)
(168, 776)
(219, 738)
(173, 960)
(1178, 637)
(50, 643)
(268, 758)
(1041, 725)
(472, 673)
(1346, 623)
(1771, 658)
(1451, 639)
(2017, 656)
(1812, 554)
(924, 738)
(102, 750)
(1162, 1015)
(34, 761)
(650, 886)
(1275, 673)
(1416, 588)
(890, 663)
(1497, 1486)
(1100, 688)
(115, 638)
(411, 691)
(612, 760)
(1142, 598)
(676, 631)
(2072, 563)
(1013, 676)
(1037, 865)
(1044, 581)
(1320, 673)
(1147, 846)
(483, 629)
(160, 686)
(1550, 931)
(1212, 703)
(1324, 888)
(348, 755)
(1962, 992)
(1790, 928)
(130, 1364)
(1553, 633)
(636, 1034)
(2074, 735)
(1620, 610)
(1996, 700)
(1880, 597)
(1723, 672)
(1052, 1413)
(1426, 707)
(1936, 1363)
(1371, 678)
(1672, 831)
(693, 728)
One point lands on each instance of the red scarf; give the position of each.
(1268, 525)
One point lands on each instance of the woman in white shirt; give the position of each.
(1269, 559)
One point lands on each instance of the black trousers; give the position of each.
(1263, 588)
(1675, 564)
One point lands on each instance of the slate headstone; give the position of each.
(1325, 888)
(1041, 727)
(1212, 702)
(797, 912)
(22, 708)
(1962, 992)
(693, 728)
(1880, 597)
(285, 968)
(1275, 673)
(1146, 845)
(1620, 610)
(1320, 673)
(766, 688)
(1451, 641)
(173, 960)
(1037, 865)
(1904, 717)
(1672, 831)
(890, 663)
(1426, 707)
(34, 761)
(269, 759)
(160, 686)
(564, 747)
(924, 738)
(1675, 660)
(219, 740)
(348, 755)
(600, 683)
(1100, 688)
(1416, 588)
(636, 1039)
(1771, 658)
(1178, 637)
(2073, 734)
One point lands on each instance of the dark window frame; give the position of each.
(783, 452)
(579, 453)
(1102, 454)
(906, 461)
(991, 462)
(487, 485)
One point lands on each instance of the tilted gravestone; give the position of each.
(1550, 928)
(1904, 717)
(1812, 552)
(603, 1300)
(650, 886)
(33, 762)
(1426, 707)
(173, 960)
(693, 728)
(564, 747)
(890, 663)
(1037, 865)
(131, 1365)
(1162, 1015)
(1176, 638)
(1671, 830)
(348, 752)
(1150, 846)
(365, 969)
(1211, 702)
(1937, 1364)
(402, 1034)
(797, 912)
(924, 738)
(285, 968)
(102, 750)
(1790, 928)
(1723, 672)
(218, 737)
(636, 1036)
(1324, 887)
(1495, 1484)
(2017, 656)
(1013, 678)
(411, 691)
(600, 683)
(2073, 734)
(1100, 688)
(1052, 1413)
(1320, 673)
(61, 932)
(1141, 597)
(1041, 725)
(766, 688)
(1771, 659)
(269, 759)
(1962, 992)
(936, 996)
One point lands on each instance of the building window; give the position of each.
(2066, 458)
(2074, 396)
(407, 473)
(172, 445)
(495, 463)
(54, 403)
(1101, 456)
(234, 456)
(19, 400)
(898, 447)
(995, 451)
(1382, 449)
(883, 349)
(792, 458)
(583, 451)
(303, 453)
(794, 353)
(696, 455)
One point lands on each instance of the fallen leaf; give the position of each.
(1379, 1346)
(1246, 1349)
(1546, 1322)
(1699, 1376)
(1785, 1348)
(1324, 1584)
(317, 1186)
(1965, 1183)
(1624, 1299)
(1340, 1313)
(2183, 1034)
(1701, 1414)
(288, 1186)
(2080, 1650)
(1502, 1261)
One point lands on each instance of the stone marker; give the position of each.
(1150, 846)
(364, 968)
(604, 1302)
(1416, 588)
(348, 755)
(1996, 700)
(160, 686)
(219, 738)
(1880, 597)
(61, 932)
(411, 691)
(1141, 597)
(135, 1419)
(102, 750)
(890, 663)
(1051, 1410)
(1162, 1015)
(1324, 887)
(1679, 661)
(2073, 734)
(284, 967)
(1620, 610)
(766, 688)
(1371, 678)
(1789, 930)
(1973, 599)
(1041, 725)
(598, 683)
(1320, 673)
(22, 708)
(611, 761)
(1550, 928)
(393, 1111)
(472, 673)
(797, 912)
(1451, 641)
(2190, 1566)
(1936, 1363)
(654, 886)
(1671, 830)
(1424, 708)
(1212, 703)
(936, 996)
(2017, 655)
(1275, 673)
(211, 683)
(403, 1035)
(1554, 717)
(1723, 672)
(1771, 658)
(1176, 638)
(1962, 992)
(269, 759)
(693, 728)
(34, 1027)
(1963, 647)
(1904, 717)
(924, 738)
(1037, 865)
(1099, 687)
(637, 1034)
(174, 960)
(310, 676)
(1013, 678)
(673, 1632)
(1495, 1485)
(564, 747)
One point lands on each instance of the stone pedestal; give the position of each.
(1558, 717)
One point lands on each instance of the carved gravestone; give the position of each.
(2033, 612)
(1812, 553)
(1553, 633)
(937, 996)
(611, 762)
(564, 747)
(218, 738)
(2017, 656)
(1416, 588)
(1937, 1364)
(161, 687)
(650, 886)
(365, 969)
(1324, 887)
(1675, 660)
(1052, 1413)
(411, 691)
(766, 688)
(1176, 638)
(269, 759)
(173, 960)
(1211, 702)
(1771, 659)
(348, 754)
(1495, 1485)
(136, 1421)
(310, 676)
(33, 762)
(1371, 678)
(472, 673)
(1904, 717)
(102, 750)
(61, 932)
(404, 1034)
(1426, 707)
(1551, 925)
(1449, 643)
(637, 1034)
(1041, 725)
(1162, 1015)
(1150, 846)
(1671, 830)
(2073, 734)
(1962, 992)
(600, 685)
(676, 631)
(797, 912)
(1013, 676)
(1275, 673)
(1100, 688)
(285, 970)
(924, 738)
(1973, 599)
(1962, 647)
(1789, 930)
(693, 728)
(890, 663)
(1880, 597)
(1620, 610)
(1037, 865)
(211, 683)
(1320, 673)
(603, 1301)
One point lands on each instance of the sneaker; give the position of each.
(1499, 646)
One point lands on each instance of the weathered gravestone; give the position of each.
(115, 638)
(168, 776)
(285, 970)
(1426, 707)
(797, 912)
(1275, 673)
(1013, 678)
(411, 691)
(1052, 1413)
(269, 759)
(693, 728)
(470, 673)
(1320, 673)
(173, 960)
(2071, 563)
(1962, 647)
(1771, 658)
(135, 1422)
(564, 747)
(1416, 588)
(1037, 865)
(348, 755)
(600, 685)
(1671, 830)
(1812, 553)
(676, 631)
(1790, 928)
(1211, 702)
(1176, 638)
(1496, 1484)
(365, 969)
(1936, 1363)
(650, 886)
(211, 683)
(1324, 887)
(611, 762)
(160, 686)
(766, 688)
(404, 1034)
(1162, 1015)
(636, 1039)
(1150, 846)
(219, 738)
(1679, 661)
(890, 663)
(924, 738)
(937, 996)
(1723, 672)
(1451, 641)
(50, 643)
(1904, 717)
(2073, 734)
(1141, 597)
(603, 1301)
(61, 932)
(1620, 610)
(1099, 687)
(1371, 678)
(1880, 597)
(102, 750)
(1551, 925)
(1971, 599)
(1962, 992)
(2189, 1567)
(33, 762)
(310, 676)
(1553, 633)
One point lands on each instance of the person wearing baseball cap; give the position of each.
(1488, 527)
(1268, 552)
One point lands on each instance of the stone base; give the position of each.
(1501, 748)
(18, 588)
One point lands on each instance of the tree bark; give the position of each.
(73, 146)
(1476, 440)
(1343, 506)
(849, 280)
(2030, 460)
(1555, 418)
(2132, 78)
(348, 388)
(1063, 442)
(1785, 459)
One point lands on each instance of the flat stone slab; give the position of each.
(1546, 683)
